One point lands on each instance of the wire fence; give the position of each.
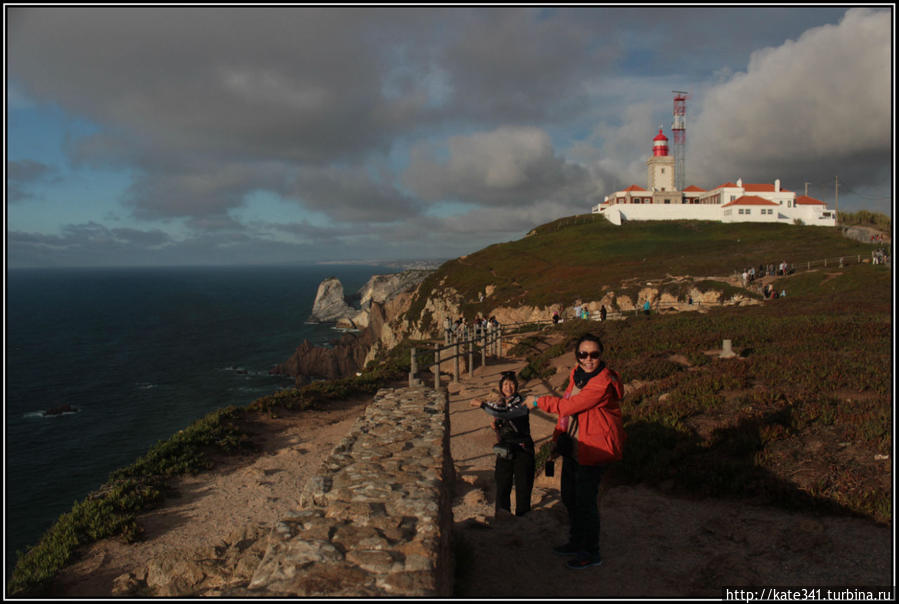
(465, 345)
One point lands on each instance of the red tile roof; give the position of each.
(750, 200)
(634, 188)
(694, 189)
(804, 200)
(762, 188)
(727, 184)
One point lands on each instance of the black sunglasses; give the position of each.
(593, 354)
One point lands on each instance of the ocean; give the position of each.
(140, 353)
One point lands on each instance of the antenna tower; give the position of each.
(679, 129)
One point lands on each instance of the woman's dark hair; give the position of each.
(510, 376)
(588, 337)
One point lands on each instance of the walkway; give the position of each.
(653, 544)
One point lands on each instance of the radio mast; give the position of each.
(679, 130)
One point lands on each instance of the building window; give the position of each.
(667, 201)
(663, 170)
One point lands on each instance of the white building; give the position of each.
(730, 202)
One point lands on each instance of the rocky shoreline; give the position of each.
(382, 299)
(379, 322)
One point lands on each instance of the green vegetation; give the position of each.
(802, 418)
(581, 257)
(866, 218)
(111, 510)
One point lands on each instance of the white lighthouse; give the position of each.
(661, 165)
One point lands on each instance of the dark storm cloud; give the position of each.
(372, 116)
(352, 195)
(85, 244)
(274, 82)
(515, 67)
(21, 175)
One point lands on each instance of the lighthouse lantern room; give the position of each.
(661, 165)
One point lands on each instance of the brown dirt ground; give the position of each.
(654, 545)
(239, 501)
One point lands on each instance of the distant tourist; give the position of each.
(556, 317)
(589, 434)
(646, 307)
(602, 312)
(515, 459)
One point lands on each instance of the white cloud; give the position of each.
(816, 105)
(509, 166)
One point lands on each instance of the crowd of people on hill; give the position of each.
(460, 327)
(771, 270)
(581, 311)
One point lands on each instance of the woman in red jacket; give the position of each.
(589, 434)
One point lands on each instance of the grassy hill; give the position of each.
(802, 417)
(581, 257)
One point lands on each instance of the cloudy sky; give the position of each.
(244, 135)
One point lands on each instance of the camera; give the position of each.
(503, 451)
(549, 468)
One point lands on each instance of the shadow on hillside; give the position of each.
(725, 466)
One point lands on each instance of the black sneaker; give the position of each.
(565, 550)
(584, 561)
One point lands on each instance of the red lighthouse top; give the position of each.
(660, 144)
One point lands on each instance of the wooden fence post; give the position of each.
(456, 360)
(470, 354)
(437, 366)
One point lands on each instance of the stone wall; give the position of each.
(377, 519)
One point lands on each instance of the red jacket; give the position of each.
(601, 435)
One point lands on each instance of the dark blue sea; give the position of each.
(141, 353)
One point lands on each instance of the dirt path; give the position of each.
(218, 524)
(653, 545)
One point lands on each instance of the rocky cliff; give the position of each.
(383, 299)
(381, 289)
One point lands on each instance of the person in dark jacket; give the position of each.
(515, 460)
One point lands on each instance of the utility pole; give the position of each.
(806, 188)
(836, 197)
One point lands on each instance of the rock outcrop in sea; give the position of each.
(383, 298)
(330, 303)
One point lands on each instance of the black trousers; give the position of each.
(518, 471)
(580, 488)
